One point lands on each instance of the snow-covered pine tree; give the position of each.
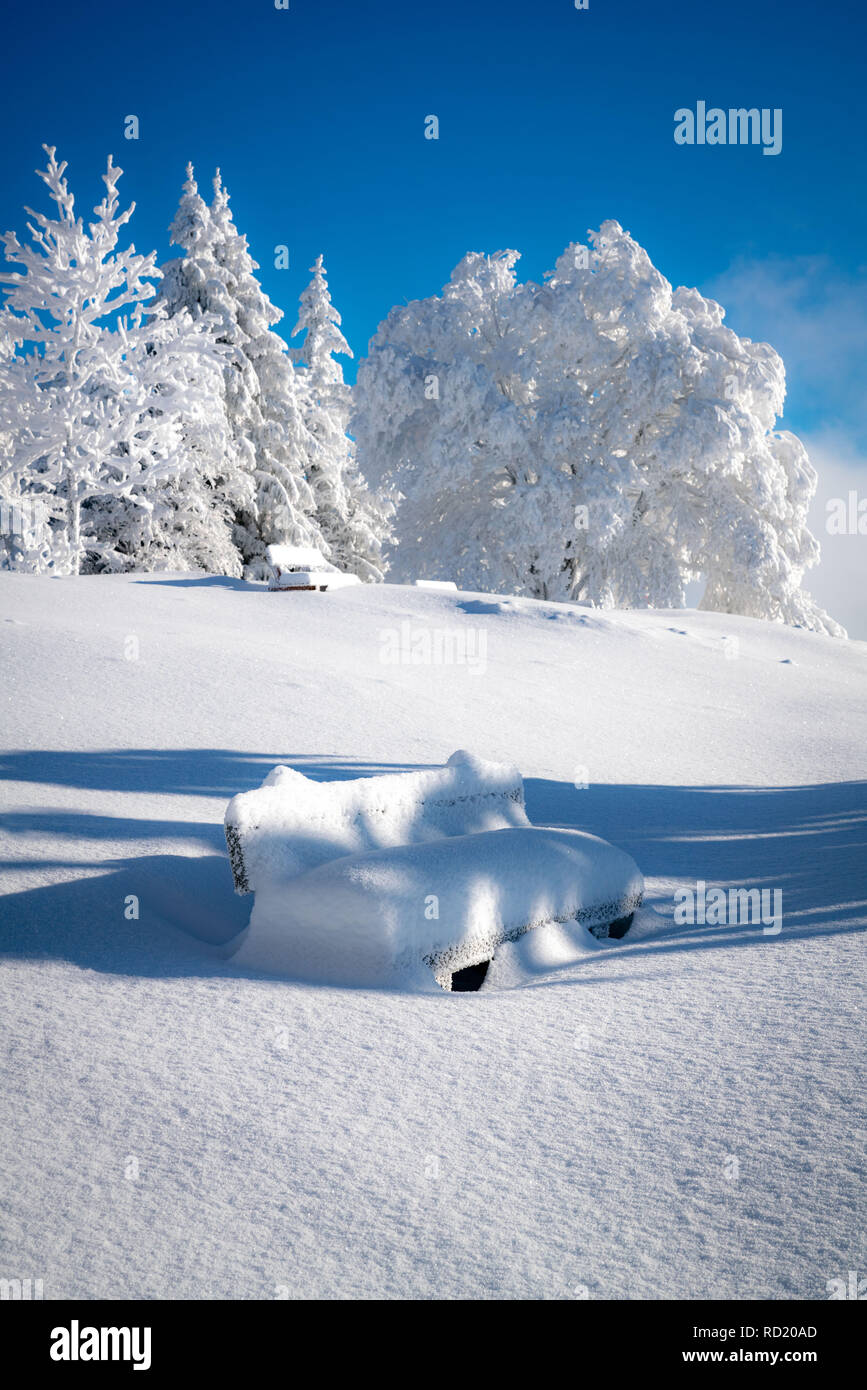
(599, 437)
(282, 442)
(215, 276)
(200, 525)
(353, 520)
(192, 283)
(106, 388)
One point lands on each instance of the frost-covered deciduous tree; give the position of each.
(106, 391)
(599, 437)
(270, 442)
(353, 520)
(25, 535)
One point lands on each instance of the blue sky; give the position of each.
(551, 120)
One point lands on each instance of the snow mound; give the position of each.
(364, 882)
(378, 919)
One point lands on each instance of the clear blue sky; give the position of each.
(551, 120)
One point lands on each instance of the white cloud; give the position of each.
(838, 581)
(815, 315)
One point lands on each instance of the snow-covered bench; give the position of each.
(384, 879)
(303, 567)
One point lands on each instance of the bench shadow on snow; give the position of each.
(808, 841)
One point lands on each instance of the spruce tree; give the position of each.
(216, 276)
(353, 520)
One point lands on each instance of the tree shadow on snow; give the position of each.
(184, 771)
(186, 904)
(808, 841)
(205, 581)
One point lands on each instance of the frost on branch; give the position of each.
(100, 393)
(599, 437)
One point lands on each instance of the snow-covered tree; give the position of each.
(599, 437)
(107, 391)
(353, 520)
(270, 443)
(25, 536)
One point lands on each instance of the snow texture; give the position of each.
(361, 920)
(675, 1115)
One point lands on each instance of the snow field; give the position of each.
(674, 1115)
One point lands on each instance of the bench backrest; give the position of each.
(291, 824)
(286, 558)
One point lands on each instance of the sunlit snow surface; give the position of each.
(675, 1115)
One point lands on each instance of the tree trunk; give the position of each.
(73, 518)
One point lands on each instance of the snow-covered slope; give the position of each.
(676, 1115)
